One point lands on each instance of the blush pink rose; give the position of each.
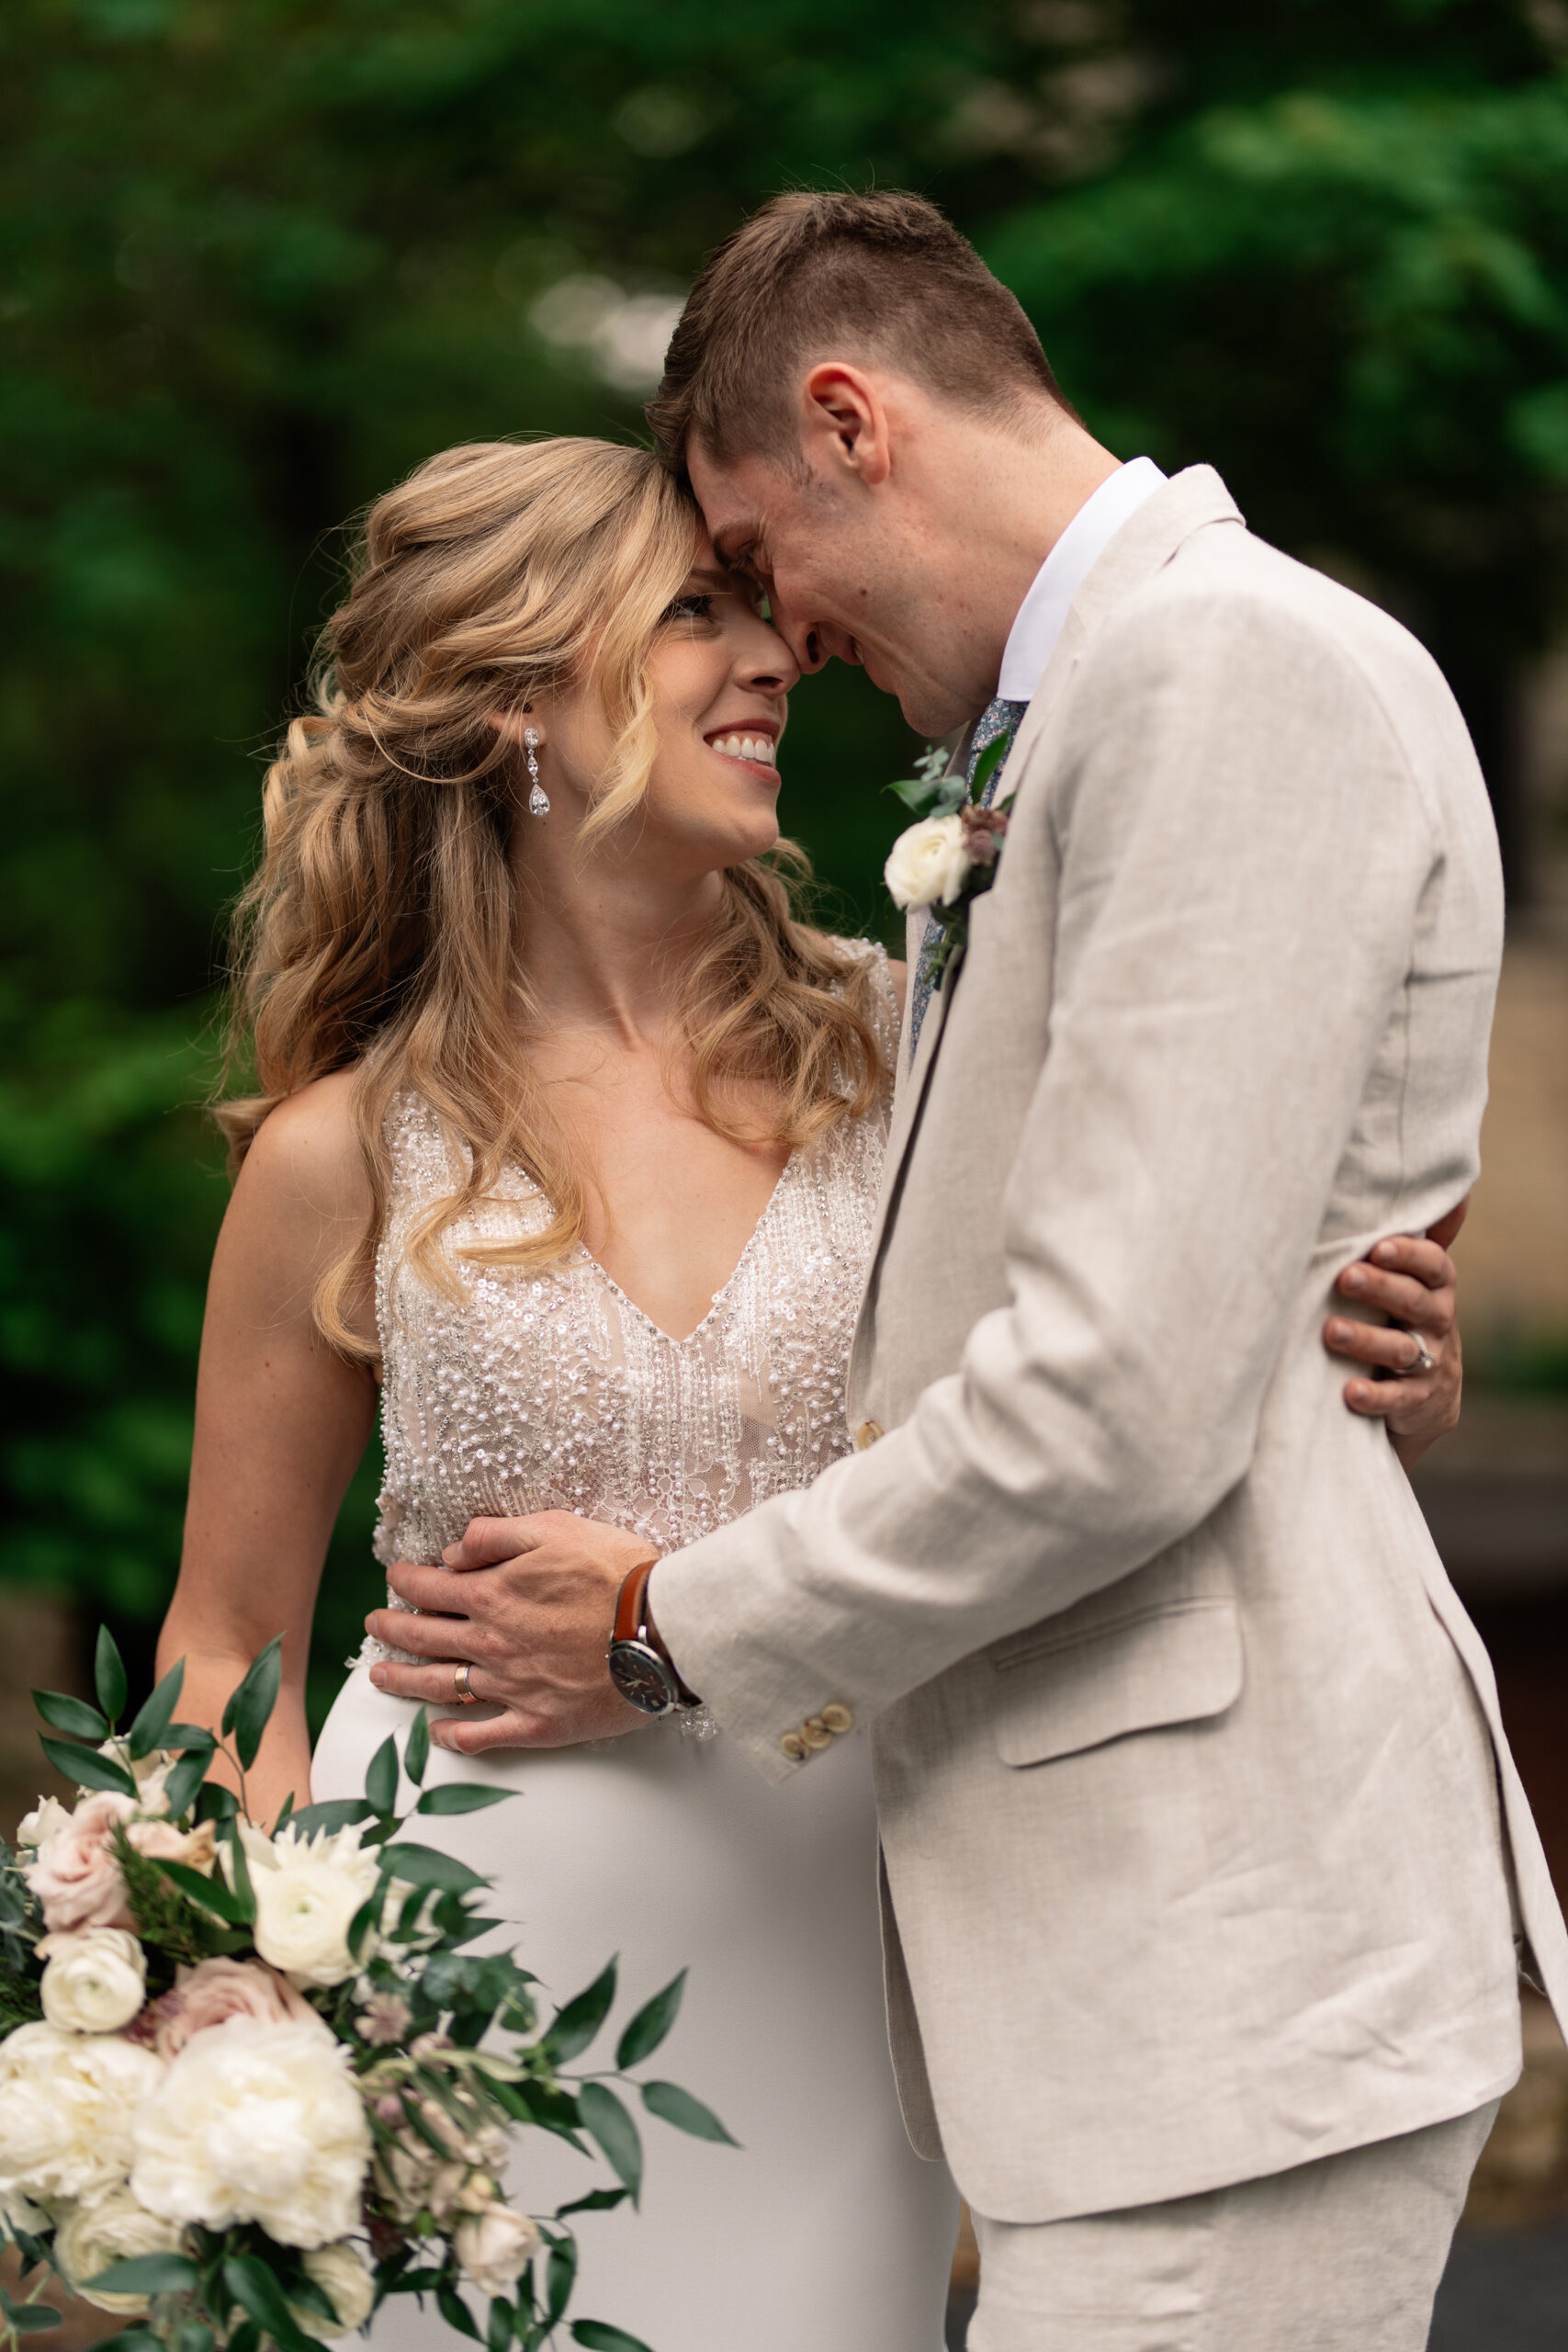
(75, 1877)
(161, 1842)
(216, 1990)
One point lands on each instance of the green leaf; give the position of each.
(598, 2201)
(153, 1717)
(136, 2339)
(190, 1736)
(416, 1748)
(108, 1676)
(285, 1814)
(606, 2119)
(650, 2025)
(916, 792)
(498, 2326)
(208, 1894)
(185, 1779)
(149, 2273)
(87, 1768)
(195, 2336)
(29, 2319)
(332, 1813)
(251, 1704)
(219, 1802)
(673, 2105)
(455, 2312)
(245, 1892)
(423, 1866)
(381, 1778)
(988, 763)
(575, 2026)
(560, 2274)
(599, 2336)
(62, 1713)
(256, 2290)
(460, 1796)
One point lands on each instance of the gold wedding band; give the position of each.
(461, 1690)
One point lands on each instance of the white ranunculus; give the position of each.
(341, 2274)
(307, 1890)
(495, 2247)
(67, 2104)
(113, 2229)
(256, 2121)
(94, 1982)
(930, 862)
(47, 1820)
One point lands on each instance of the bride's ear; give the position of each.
(514, 723)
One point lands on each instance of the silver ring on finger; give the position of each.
(460, 1691)
(1424, 1363)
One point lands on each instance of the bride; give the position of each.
(567, 1142)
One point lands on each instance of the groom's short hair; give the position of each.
(882, 275)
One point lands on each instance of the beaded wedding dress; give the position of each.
(824, 2233)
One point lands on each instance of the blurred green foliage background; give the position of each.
(258, 257)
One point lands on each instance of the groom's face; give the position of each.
(847, 573)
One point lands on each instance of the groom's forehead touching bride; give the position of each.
(875, 437)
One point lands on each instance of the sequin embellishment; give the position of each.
(553, 1391)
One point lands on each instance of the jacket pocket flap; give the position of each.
(1172, 1665)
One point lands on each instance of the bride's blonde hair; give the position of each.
(378, 934)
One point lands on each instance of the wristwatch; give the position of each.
(640, 1666)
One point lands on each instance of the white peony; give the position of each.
(930, 860)
(308, 1891)
(495, 2247)
(113, 2229)
(47, 1820)
(341, 2274)
(94, 1982)
(256, 2121)
(67, 2104)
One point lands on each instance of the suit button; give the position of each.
(815, 1733)
(794, 1746)
(867, 1435)
(839, 1718)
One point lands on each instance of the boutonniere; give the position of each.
(945, 860)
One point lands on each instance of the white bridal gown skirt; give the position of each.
(824, 2231)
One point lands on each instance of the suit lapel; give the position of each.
(1143, 545)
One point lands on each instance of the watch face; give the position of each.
(641, 1675)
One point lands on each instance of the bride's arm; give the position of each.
(281, 1421)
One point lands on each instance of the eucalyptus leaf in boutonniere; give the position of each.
(948, 856)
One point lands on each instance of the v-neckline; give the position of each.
(721, 1294)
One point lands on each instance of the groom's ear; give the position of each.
(844, 423)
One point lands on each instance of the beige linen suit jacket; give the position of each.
(1187, 1756)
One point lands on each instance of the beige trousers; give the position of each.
(1340, 2255)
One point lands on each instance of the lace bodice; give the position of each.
(553, 1391)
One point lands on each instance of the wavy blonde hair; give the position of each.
(378, 934)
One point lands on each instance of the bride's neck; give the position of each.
(604, 941)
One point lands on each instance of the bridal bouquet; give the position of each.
(253, 2082)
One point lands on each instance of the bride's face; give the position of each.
(720, 678)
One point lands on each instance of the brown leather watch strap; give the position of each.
(632, 1624)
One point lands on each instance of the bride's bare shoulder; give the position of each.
(305, 1158)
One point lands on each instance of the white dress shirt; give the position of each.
(1043, 611)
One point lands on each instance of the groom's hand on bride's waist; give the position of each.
(527, 1605)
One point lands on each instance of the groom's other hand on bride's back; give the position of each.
(1416, 1357)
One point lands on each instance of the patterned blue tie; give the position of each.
(999, 717)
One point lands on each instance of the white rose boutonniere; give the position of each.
(945, 860)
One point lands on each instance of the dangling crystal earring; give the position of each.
(538, 798)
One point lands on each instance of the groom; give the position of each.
(1205, 1861)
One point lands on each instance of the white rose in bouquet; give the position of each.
(94, 1982)
(148, 1772)
(495, 2247)
(112, 2229)
(256, 2121)
(67, 2106)
(307, 1890)
(47, 1820)
(339, 2272)
(929, 862)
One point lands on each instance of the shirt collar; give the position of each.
(1043, 612)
